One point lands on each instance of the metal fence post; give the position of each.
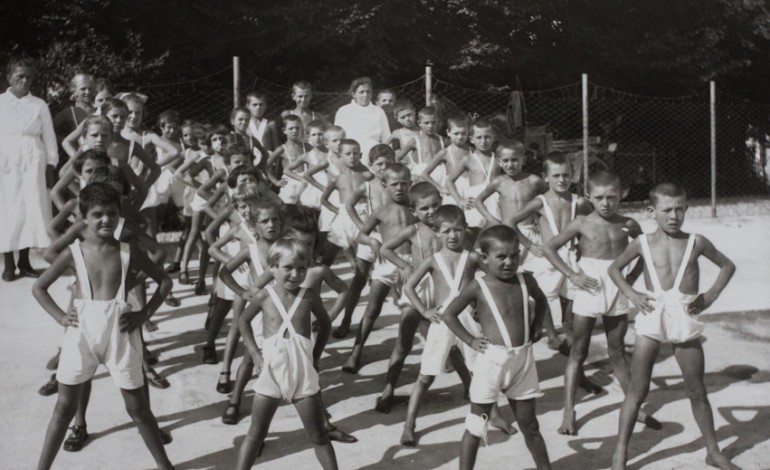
(428, 83)
(712, 110)
(236, 81)
(585, 132)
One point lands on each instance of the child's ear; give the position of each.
(650, 210)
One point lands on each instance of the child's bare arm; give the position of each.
(215, 242)
(726, 271)
(180, 172)
(308, 174)
(60, 243)
(458, 171)
(247, 333)
(149, 163)
(363, 235)
(57, 192)
(388, 248)
(532, 207)
(290, 172)
(350, 203)
(468, 295)
(327, 191)
(632, 251)
(210, 184)
(129, 321)
(64, 213)
(138, 183)
(40, 289)
(170, 153)
(226, 272)
(541, 308)
(70, 143)
(430, 167)
(550, 251)
(405, 149)
(325, 327)
(208, 208)
(485, 193)
(410, 288)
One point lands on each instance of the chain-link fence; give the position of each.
(643, 139)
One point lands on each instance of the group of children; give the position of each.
(479, 256)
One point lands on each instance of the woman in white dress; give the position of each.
(27, 145)
(362, 120)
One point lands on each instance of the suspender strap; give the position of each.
(286, 325)
(255, 259)
(488, 171)
(84, 280)
(685, 260)
(452, 281)
(649, 264)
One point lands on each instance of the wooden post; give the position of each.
(428, 83)
(236, 81)
(585, 132)
(713, 108)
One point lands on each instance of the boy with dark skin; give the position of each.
(102, 264)
(668, 314)
(603, 235)
(506, 363)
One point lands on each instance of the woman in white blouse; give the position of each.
(362, 120)
(27, 145)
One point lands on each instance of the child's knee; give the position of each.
(425, 380)
(529, 426)
(697, 394)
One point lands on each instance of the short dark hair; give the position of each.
(350, 142)
(292, 118)
(112, 174)
(401, 105)
(21, 61)
(381, 151)
(458, 120)
(299, 218)
(259, 95)
(666, 189)
(427, 111)
(234, 148)
(97, 194)
(91, 154)
(514, 146)
(398, 168)
(421, 190)
(113, 103)
(169, 115)
(451, 214)
(555, 158)
(316, 124)
(232, 179)
(604, 179)
(496, 233)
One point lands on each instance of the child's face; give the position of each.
(351, 155)
(502, 259)
(169, 129)
(406, 118)
(458, 135)
(242, 209)
(558, 176)
(117, 116)
(135, 114)
(268, 224)
(482, 139)
(98, 137)
(293, 130)
(669, 213)
(84, 90)
(332, 141)
(216, 142)
(241, 122)
(385, 100)
(187, 136)
(315, 137)
(290, 272)
(452, 235)
(239, 159)
(428, 124)
(257, 107)
(301, 97)
(605, 199)
(510, 161)
(363, 95)
(102, 220)
(397, 185)
(425, 208)
(88, 169)
(100, 97)
(245, 178)
(378, 166)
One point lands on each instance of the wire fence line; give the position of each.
(644, 139)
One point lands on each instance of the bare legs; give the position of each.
(377, 294)
(356, 286)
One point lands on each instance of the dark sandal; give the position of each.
(340, 436)
(200, 287)
(156, 380)
(224, 387)
(51, 387)
(165, 437)
(230, 416)
(184, 278)
(76, 440)
(209, 355)
(384, 405)
(172, 301)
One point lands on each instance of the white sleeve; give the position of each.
(384, 126)
(49, 136)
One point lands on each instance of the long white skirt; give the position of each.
(25, 204)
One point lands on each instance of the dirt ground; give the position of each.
(736, 344)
